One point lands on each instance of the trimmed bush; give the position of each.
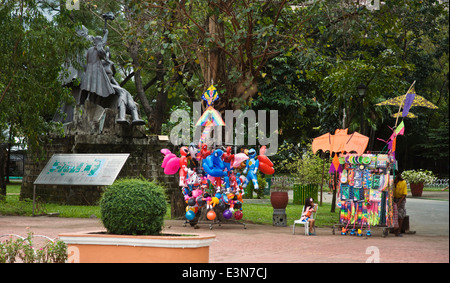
(133, 207)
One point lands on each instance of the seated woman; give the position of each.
(310, 207)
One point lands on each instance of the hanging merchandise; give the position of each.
(365, 193)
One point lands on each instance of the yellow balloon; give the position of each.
(215, 200)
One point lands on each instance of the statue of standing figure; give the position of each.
(98, 80)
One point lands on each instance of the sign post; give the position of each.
(80, 169)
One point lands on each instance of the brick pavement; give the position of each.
(269, 244)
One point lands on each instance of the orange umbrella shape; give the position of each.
(341, 141)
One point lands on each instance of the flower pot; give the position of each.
(99, 247)
(416, 189)
(279, 200)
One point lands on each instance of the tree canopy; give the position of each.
(303, 58)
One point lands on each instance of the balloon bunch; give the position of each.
(211, 179)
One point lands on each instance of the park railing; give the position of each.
(437, 184)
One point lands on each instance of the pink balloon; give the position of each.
(171, 163)
(196, 193)
(239, 158)
(172, 166)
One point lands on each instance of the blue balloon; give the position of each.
(190, 215)
(213, 164)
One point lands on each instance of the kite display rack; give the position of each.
(365, 194)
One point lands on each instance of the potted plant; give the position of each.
(417, 179)
(279, 197)
(132, 212)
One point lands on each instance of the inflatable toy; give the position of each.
(213, 164)
(190, 215)
(211, 215)
(238, 215)
(228, 159)
(227, 214)
(265, 165)
(183, 166)
(251, 169)
(239, 159)
(171, 163)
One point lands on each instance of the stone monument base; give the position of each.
(94, 130)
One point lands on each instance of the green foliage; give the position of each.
(418, 176)
(32, 52)
(24, 249)
(133, 207)
(302, 163)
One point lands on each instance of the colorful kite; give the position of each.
(210, 113)
(341, 142)
(211, 117)
(407, 101)
(210, 95)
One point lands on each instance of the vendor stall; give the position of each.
(365, 193)
(363, 182)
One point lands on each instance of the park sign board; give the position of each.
(82, 169)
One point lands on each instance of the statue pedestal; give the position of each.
(94, 130)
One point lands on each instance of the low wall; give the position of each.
(145, 160)
(93, 130)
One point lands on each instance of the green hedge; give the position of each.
(133, 207)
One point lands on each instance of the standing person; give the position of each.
(400, 193)
(309, 208)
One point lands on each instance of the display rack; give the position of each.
(365, 194)
(201, 219)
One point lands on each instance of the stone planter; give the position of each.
(98, 247)
(416, 189)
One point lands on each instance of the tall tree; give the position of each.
(32, 52)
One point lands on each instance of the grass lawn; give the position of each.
(253, 212)
(258, 213)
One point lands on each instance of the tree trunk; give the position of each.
(157, 116)
(2, 172)
(134, 48)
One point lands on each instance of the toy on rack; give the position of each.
(228, 159)
(265, 165)
(184, 151)
(251, 169)
(210, 177)
(170, 163)
(210, 117)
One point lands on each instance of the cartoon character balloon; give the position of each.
(183, 165)
(251, 169)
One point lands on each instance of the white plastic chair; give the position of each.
(305, 222)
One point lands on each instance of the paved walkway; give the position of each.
(269, 244)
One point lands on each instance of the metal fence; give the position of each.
(438, 184)
(286, 181)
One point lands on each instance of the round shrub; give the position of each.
(133, 207)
